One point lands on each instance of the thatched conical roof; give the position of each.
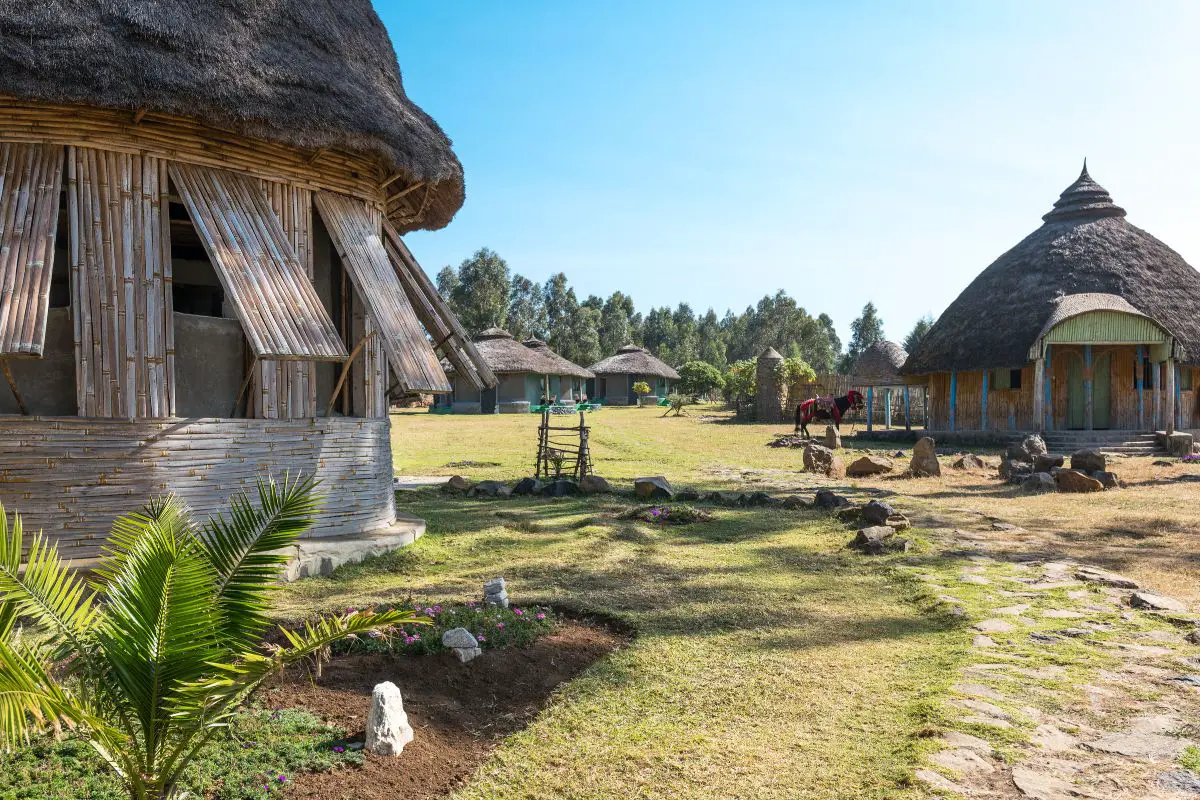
(633, 360)
(770, 354)
(506, 356)
(564, 367)
(1084, 247)
(879, 365)
(307, 73)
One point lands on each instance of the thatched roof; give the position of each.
(565, 367)
(1084, 247)
(633, 360)
(309, 73)
(879, 365)
(506, 356)
(770, 354)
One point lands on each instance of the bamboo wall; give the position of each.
(71, 477)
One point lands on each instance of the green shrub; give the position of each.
(492, 626)
(641, 388)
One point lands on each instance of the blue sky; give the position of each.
(714, 152)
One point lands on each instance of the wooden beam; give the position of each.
(1049, 399)
(341, 381)
(983, 402)
(1039, 394)
(1089, 383)
(1139, 379)
(12, 384)
(870, 407)
(1156, 391)
(405, 192)
(1169, 416)
(139, 115)
(245, 385)
(953, 399)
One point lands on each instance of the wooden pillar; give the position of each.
(907, 414)
(1138, 375)
(870, 408)
(1039, 394)
(1169, 416)
(887, 408)
(1088, 384)
(1179, 421)
(953, 398)
(1048, 422)
(983, 403)
(1156, 390)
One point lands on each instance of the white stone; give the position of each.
(459, 637)
(388, 730)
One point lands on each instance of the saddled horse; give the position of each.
(831, 409)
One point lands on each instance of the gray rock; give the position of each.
(1089, 460)
(560, 487)
(1072, 480)
(1014, 471)
(968, 461)
(1180, 780)
(495, 593)
(796, 501)
(687, 496)
(457, 484)
(1155, 602)
(1041, 785)
(833, 438)
(879, 539)
(1193, 636)
(654, 487)
(1034, 446)
(1179, 444)
(1139, 744)
(594, 484)
(829, 500)
(459, 637)
(1105, 578)
(1108, 479)
(527, 486)
(924, 462)
(1015, 452)
(869, 465)
(1046, 462)
(876, 512)
(388, 730)
(1039, 482)
(823, 460)
(490, 489)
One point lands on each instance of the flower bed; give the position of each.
(493, 627)
(670, 515)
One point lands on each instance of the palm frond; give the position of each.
(247, 550)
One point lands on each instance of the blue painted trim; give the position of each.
(1139, 378)
(984, 420)
(1049, 373)
(907, 416)
(953, 398)
(870, 407)
(1178, 399)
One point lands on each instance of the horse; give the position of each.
(827, 408)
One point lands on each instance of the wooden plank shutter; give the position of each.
(121, 285)
(448, 333)
(30, 182)
(259, 270)
(355, 230)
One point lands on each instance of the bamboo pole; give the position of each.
(245, 385)
(12, 384)
(341, 381)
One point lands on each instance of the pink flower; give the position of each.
(518, 612)
(540, 615)
(500, 625)
(481, 638)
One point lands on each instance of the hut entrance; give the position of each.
(1077, 392)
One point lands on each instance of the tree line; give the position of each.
(485, 293)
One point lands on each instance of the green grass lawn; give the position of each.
(769, 661)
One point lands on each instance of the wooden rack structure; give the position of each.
(563, 449)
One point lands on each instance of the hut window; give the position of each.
(1003, 379)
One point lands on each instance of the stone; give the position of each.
(1072, 480)
(1046, 462)
(1034, 446)
(898, 454)
(940, 783)
(962, 761)
(982, 641)
(760, 499)
(994, 626)
(654, 487)
(1041, 785)
(877, 540)
(560, 487)
(495, 592)
(1062, 613)
(876, 512)
(388, 730)
(594, 484)
(1014, 611)
(1015, 452)
(463, 644)
(1141, 744)
(1105, 578)
(833, 438)
(1179, 444)
(1193, 636)
(898, 522)
(490, 489)
(968, 461)
(1108, 480)
(1155, 602)
(924, 462)
(795, 501)
(1039, 482)
(959, 739)
(829, 500)
(457, 484)
(1089, 460)
(1162, 463)
(527, 486)
(1051, 738)
(869, 465)
(1180, 780)
(687, 496)
(823, 460)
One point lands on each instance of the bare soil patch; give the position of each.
(459, 712)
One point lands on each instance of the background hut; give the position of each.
(525, 374)
(202, 208)
(1088, 323)
(876, 373)
(769, 394)
(616, 375)
(569, 382)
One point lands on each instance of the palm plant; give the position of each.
(149, 658)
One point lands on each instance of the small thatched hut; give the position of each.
(204, 278)
(1087, 323)
(876, 373)
(617, 374)
(769, 393)
(526, 372)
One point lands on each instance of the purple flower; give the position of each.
(374, 634)
(500, 625)
(518, 612)
(282, 778)
(540, 615)
(337, 748)
(481, 638)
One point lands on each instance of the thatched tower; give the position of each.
(769, 394)
(1087, 323)
(876, 373)
(203, 205)
(526, 372)
(617, 374)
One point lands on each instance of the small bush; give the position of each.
(492, 626)
(670, 515)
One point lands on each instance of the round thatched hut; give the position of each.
(1087, 323)
(769, 393)
(526, 372)
(617, 374)
(876, 373)
(205, 282)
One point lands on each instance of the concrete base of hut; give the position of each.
(321, 556)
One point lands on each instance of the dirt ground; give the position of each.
(459, 712)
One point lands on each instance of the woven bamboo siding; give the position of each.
(121, 292)
(271, 292)
(191, 142)
(1110, 327)
(448, 333)
(30, 182)
(356, 233)
(71, 477)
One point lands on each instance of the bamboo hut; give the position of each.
(203, 278)
(617, 374)
(876, 373)
(1089, 323)
(526, 373)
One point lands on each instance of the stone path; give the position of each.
(1069, 690)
